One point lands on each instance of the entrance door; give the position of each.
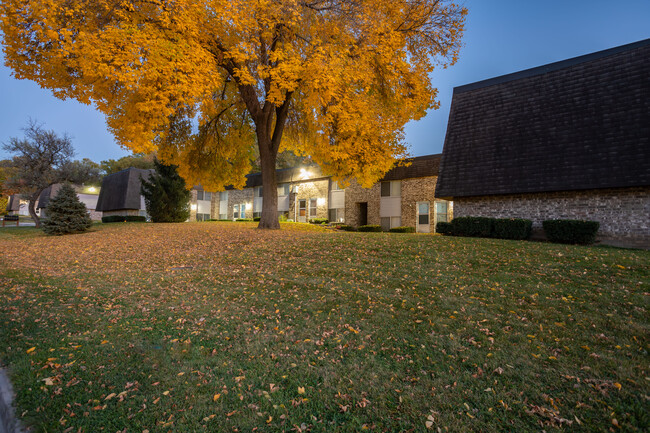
(363, 214)
(423, 225)
(302, 210)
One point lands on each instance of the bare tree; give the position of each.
(40, 159)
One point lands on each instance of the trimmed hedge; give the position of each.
(476, 227)
(512, 228)
(571, 231)
(403, 229)
(444, 228)
(244, 220)
(484, 227)
(346, 228)
(124, 219)
(370, 228)
(319, 221)
(257, 218)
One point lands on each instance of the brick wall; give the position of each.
(413, 190)
(621, 212)
(238, 197)
(193, 204)
(318, 189)
(355, 194)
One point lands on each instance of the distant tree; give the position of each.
(66, 214)
(138, 160)
(165, 195)
(6, 170)
(40, 161)
(85, 171)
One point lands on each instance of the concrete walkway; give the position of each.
(8, 422)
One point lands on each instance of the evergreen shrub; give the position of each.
(402, 229)
(571, 231)
(66, 214)
(370, 228)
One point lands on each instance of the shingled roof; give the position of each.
(121, 190)
(419, 166)
(582, 123)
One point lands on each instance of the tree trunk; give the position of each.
(32, 209)
(268, 156)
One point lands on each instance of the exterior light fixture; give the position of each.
(249, 206)
(193, 206)
(92, 189)
(304, 174)
(320, 201)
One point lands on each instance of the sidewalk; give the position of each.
(8, 422)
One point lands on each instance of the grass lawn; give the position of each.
(220, 327)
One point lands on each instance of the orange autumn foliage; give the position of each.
(202, 82)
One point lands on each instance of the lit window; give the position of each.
(313, 207)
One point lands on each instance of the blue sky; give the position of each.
(502, 36)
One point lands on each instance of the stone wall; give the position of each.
(238, 197)
(623, 213)
(193, 204)
(413, 190)
(318, 189)
(356, 194)
(122, 212)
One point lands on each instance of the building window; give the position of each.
(388, 223)
(199, 195)
(223, 216)
(390, 189)
(257, 214)
(235, 211)
(336, 215)
(223, 196)
(207, 196)
(239, 211)
(442, 214)
(334, 186)
(423, 213)
(202, 216)
(313, 207)
(258, 191)
(283, 189)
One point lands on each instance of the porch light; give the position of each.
(320, 201)
(249, 206)
(193, 206)
(304, 174)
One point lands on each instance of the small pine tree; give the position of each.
(165, 195)
(66, 214)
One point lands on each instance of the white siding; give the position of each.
(203, 206)
(223, 207)
(337, 199)
(143, 206)
(257, 204)
(90, 200)
(283, 203)
(390, 207)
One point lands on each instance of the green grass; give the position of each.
(140, 326)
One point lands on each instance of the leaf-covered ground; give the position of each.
(222, 327)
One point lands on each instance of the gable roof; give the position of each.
(121, 190)
(420, 166)
(582, 123)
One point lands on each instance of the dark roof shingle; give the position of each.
(121, 190)
(583, 123)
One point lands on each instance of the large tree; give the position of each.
(203, 81)
(41, 159)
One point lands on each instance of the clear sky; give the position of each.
(502, 36)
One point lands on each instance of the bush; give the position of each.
(403, 229)
(66, 214)
(346, 228)
(257, 218)
(479, 227)
(319, 221)
(571, 231)
(444, 228)
(124, 219)
(370, 228)
(244, 220)
(511, 228)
